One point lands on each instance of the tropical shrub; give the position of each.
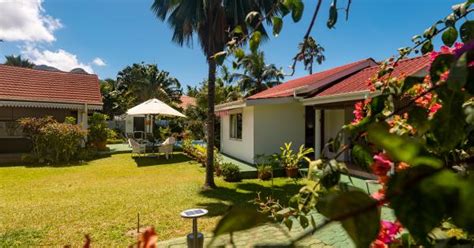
(53, 142)
(230, 172)
(288, 158)
(165, 132)
(98, 130)
(113, 137)
(70, 120)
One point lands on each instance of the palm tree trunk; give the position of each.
(211, 88)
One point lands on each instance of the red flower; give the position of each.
(358, 112)
(435, 108)
(382, 164)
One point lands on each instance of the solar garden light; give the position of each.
(194, 239)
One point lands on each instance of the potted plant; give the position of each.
(264, 167)
(291, 160)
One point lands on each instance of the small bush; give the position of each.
(53, 142)
(98, 130)
(230, 172)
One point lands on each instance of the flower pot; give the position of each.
(291, 172)
(218, 171)
(264, 175)
(101, 145)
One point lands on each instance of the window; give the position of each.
(236, 126)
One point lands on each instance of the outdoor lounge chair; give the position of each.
(137, 148)
(167, 147)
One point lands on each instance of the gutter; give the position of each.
(351, 96)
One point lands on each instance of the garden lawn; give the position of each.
(56, 206)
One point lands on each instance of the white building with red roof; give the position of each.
(308, 110)
(28, 92)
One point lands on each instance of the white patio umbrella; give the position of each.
(154, 107)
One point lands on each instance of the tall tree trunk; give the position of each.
(211, 88)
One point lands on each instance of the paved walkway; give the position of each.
(331, 236)
(246, 170)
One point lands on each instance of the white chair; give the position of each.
(137, 148)
(167, 147)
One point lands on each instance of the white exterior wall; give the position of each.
(241, 149)
(276, 124)
(129, 124)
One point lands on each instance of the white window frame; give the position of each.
(234, 127)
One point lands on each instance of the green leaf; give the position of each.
(238, 219)
(220, 57)
(304, 222)
(467, 31)
(469, 112)
(399, 148)
(255, 41)
(277, 25)
(427, 47)
(422, 196)
(288, 223)
(377, 104)
(331, 175)
(463, 216)
(362, 156)
(238, 30)
(411, 81)
(418, 118)
(332, 20)
(448, 122)
(458, 74)
(357, 212)
(239, 53)
(297, 10)
(449, 36)
(251, 17)
(441, 64)
(430, 32)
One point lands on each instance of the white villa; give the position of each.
(307, 110)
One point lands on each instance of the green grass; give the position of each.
(55, 206)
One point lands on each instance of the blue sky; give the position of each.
(121, 32)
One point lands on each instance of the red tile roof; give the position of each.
(313, 81)
(358, 81)
(187, 101)
(25, 84)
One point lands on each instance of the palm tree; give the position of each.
(140, 82)
(312, 51)
(257, 76)
(18, 61)
(211, 20)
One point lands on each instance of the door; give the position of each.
(333, 122)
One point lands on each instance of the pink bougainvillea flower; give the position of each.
(388, 231)
(378, 244)
(379, 195)
(382, 164)
(435, 108)
(358, 112)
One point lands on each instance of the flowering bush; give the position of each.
(417, 135)
(53, 142)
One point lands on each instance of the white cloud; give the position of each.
(59, 59)
(26, 20)
(99, 62)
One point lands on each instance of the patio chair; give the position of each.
(137, 148)
(167, 147)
